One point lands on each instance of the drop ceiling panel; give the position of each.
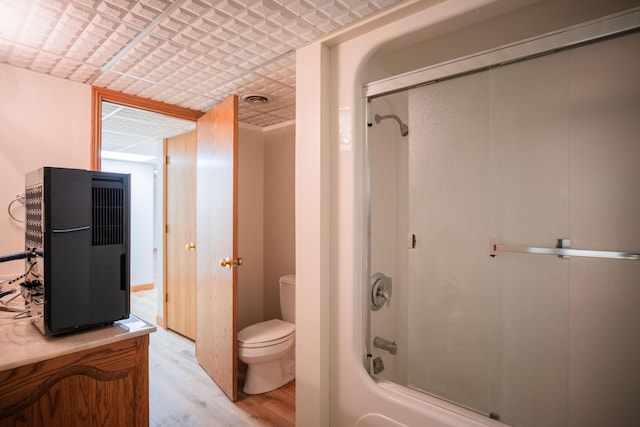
(127, 130)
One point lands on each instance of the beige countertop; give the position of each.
(21, 343)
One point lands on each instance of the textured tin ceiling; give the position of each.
(191, 53)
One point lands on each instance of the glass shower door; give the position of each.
(528, 153)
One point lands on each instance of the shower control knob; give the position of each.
(380, 291)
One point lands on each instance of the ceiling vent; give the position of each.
(255, 98)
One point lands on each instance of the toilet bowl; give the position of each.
(268, 348)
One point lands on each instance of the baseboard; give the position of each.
(159, 321)
(142, 287)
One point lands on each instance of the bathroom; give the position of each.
(337, 171)
(333, 387)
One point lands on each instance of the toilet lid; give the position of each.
(269, 332)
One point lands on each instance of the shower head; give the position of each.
(404, 129)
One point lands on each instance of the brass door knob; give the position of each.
(191, 246)
(228, 262)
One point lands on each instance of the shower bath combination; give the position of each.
(404, 129)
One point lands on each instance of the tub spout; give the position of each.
(387, 345)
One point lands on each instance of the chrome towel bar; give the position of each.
(563, 250)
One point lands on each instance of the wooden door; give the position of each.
(216, 221)
(180, 256)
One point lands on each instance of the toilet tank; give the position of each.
(288, 298)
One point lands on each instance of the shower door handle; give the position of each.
(562, 250)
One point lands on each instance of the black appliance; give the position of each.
(77, 241)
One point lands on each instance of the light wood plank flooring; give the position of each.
(182, 394)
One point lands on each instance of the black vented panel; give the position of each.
(108, 202)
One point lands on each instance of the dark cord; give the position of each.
(33, 253)
(7, 292)
(13, 257)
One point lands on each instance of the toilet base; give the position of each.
(267, 376)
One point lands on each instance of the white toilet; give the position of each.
(268, 347)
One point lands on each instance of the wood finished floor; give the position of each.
(182, 394)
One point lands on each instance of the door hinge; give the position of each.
(166, 228)
(166, 159)
(411, 243)
(166, 297)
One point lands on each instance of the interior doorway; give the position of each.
(135, 141)
(129, 135)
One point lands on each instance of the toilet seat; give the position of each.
(266, 334)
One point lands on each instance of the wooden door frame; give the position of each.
(98, 95)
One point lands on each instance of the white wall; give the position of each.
(158, 231)
(266, 218)
(329, 227)
(279, 212)
(312, 237)
(251, 201)
(142, 209)
(45, 121)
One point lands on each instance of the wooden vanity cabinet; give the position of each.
(107, 385)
